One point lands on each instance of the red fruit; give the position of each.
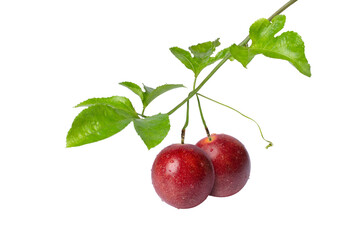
(182, 175)
(231, 163)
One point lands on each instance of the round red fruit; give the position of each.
(182, 175)
(231, 163)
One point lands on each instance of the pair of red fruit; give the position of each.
(184, 175)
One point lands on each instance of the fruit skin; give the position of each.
(231, 163)
(183, 175)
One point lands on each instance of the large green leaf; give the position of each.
(287, 46)
(121, 103)
(95, 123)
(152, 130)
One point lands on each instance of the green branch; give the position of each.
(226, 57)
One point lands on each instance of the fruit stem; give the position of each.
(183, 136)
(202, 118)
(270, 143)
(186, 123)
(226, 57)
(201, 112)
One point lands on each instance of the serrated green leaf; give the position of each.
(134, 88)
(148, 90)
(201, 55)
(121, 103)
(152, 130)
(96, 123)
(151, 93)
(288, 46)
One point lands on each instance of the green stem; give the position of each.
(186, 123)
(142, 115)
(201, 112)
(270, 143)
(193, 92)
(226, 57)
(183, 130)
(202, 118)
(283, 8)
(194, 85)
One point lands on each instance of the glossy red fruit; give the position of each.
(183, 175)
(231, 163)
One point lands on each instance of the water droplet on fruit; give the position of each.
(172, 167)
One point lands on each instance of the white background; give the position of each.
(55, 54)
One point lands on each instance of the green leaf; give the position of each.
(288, 46)
(222, 54)
(148, 90)
(121, 103)
(201, 55)
(184, 57)
(204, 50)
(150, 93)
(242, 54)
(95, 123)
(152, 130)
(134, 88)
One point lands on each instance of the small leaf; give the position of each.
(151, 93)
(134, 88)
(95, 123)
(152, 130)
(204, 50)
(121, 103)
(288, 46)
(184, 57)
(148, 89)
(242, 54)
(201, 55)
(222, 54)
